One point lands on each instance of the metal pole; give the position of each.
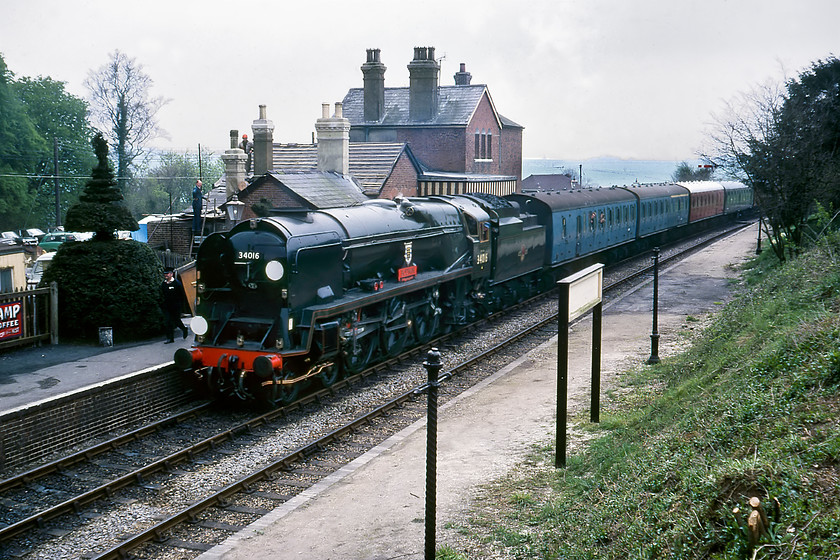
(432, 365)
(57, 191)
(758, 243)
(595, 399)
(562, 374)
(654, 337)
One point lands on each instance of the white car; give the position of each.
(34, 274)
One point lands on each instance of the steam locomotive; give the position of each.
(309, 296)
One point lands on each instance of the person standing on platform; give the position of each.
(172, 301)
(197, 197)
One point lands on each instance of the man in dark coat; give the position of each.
(197, 198)
(172, 301)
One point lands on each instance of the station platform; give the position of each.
(373, 508)
(31, 375)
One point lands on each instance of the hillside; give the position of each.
(750, 410)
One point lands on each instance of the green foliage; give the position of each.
(173, 175)
(101, 208)
(61, 119)
(797, 162)
(750, 409)
(112, 283)
(20, 147)
(685, 172)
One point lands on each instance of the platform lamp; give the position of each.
(234, 208)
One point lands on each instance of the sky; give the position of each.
(636, 79)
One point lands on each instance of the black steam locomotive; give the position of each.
(306, 296)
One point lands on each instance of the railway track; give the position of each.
(233, 504)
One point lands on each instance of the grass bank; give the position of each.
(750, 410)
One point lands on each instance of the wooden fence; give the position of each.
(29, 317)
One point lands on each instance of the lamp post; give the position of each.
(654, 337)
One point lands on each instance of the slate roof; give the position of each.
(549, 182)
(318, 190)
(456, 105)
(371, 163)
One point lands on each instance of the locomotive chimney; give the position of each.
(423, 84)
(463, 77)
(263, 144)
(333, 141)
(373, 72)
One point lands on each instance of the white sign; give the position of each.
(585, 290)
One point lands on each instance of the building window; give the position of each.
(477, 145)
(6, 280)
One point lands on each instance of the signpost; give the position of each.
(579, 293)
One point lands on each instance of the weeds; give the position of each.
(750, 410)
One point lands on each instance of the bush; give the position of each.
(112, 283)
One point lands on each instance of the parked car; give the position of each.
(34, 274)
(27, 238)
(33, 232)
(51, 241)
(11, 238)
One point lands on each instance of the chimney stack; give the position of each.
(234, 160)
(463, 77)
(423, 84)
(373, 72)
(263, 144)
(333, 140)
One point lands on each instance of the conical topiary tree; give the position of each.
(105, 282)
(101, 208)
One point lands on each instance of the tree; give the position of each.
(20, 150)
(120, 103)
(105, 281)
(172, 179)
(101, 208)
(685, 172)
(61, 119)
(783, 141)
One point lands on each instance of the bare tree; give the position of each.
(747, 122)
(121, 106)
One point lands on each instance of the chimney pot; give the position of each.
(339, 110)
(325, 110)
(234, 139)
(262, 112)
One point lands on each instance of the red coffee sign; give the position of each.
(10, 320)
